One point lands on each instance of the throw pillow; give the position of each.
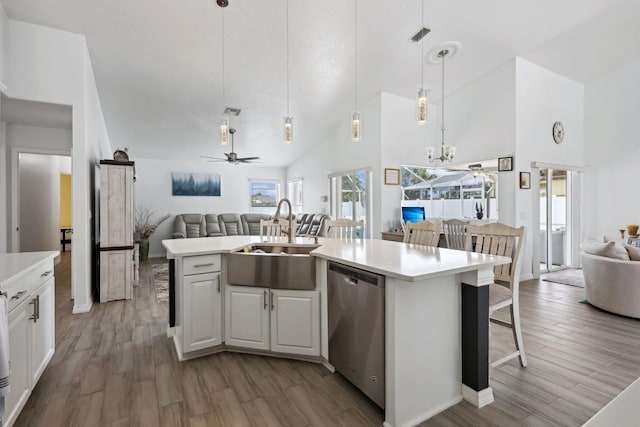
(618, 240)
(588, 241)
(609, 250)
(634, 253)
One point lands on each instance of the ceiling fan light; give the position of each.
(288, 130)
(224, 132)
(356, 135)
(422, 106)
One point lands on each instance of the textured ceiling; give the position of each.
(158, 63)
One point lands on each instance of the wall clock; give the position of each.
(558, 132)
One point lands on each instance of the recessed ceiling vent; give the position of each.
(232, 111)
(420, 34)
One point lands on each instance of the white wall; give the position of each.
(335, 152)
(612, 150)
(4, 193)
(480, 121)
(24, 136)
(4, 45)
(54, 66)
(153, 190)
(40, 207)
(542, 98)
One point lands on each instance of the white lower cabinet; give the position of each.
(283, 321)
(19, 352)
(31, 334)
(203, 319)
(247, 317)
(295, 322)
(43, 329)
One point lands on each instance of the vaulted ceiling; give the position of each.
(158, 63)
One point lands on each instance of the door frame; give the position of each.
(573, 207)
(15, 186)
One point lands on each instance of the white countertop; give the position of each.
(392, 259)
(404, 261)
(14, 264)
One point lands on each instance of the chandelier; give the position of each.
(438, 55)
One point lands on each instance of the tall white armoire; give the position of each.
(116, 230)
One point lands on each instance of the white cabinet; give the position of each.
(203, 319)
(116, 275)
(199, 304)
(43, 329)
(31, 333)
(247, 317)
(278, 320)
(19, 355)
(295, 322)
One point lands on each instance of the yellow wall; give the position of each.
(65, 200)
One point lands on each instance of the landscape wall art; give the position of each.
(195, 184)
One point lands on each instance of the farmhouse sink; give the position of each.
(277, 266)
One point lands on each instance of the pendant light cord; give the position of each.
(223, 104)
(287, 72)
(356, 55)
(422, 49)
(442, 128)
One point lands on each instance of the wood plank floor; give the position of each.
(116, 367)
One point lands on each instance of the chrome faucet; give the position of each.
(277, 218)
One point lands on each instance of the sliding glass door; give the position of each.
(351, 196)
(555, 219)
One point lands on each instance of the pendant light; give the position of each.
(288, 120)
(224, 122)
(437, 56)
(423, 102)
(356, 133)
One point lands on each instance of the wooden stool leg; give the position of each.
(517, 332)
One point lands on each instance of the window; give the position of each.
(351, 196)
(294, 193)
(264, 196)
(454, 192)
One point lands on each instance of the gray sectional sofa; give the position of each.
(233, 224)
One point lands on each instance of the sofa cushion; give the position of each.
(609, 250)
(213, 225)
(634, 252)
(230, 224)
(251, 223)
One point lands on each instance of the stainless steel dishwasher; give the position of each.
(356, 328)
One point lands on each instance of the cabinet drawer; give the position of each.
(42, 274)
(201, 264)
(18, 290)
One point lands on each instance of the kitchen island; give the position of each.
(435, 314)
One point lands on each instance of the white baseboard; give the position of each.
(477, 398)
(425, 416)
(83, 308)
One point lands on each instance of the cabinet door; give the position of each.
(19, 355)
(247, 317)
(116, 271)
(116, 205)
(295, 322)
(202, 311)
(43, 330)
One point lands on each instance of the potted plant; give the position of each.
(145, 227)
(479, 210)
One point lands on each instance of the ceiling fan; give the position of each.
(232, 157)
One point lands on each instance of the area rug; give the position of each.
(569, 276)
(161, 282)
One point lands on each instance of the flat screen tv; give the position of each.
(413, 213)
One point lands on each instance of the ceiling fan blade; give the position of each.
(209, 157)
(212, 160)
(247, 158)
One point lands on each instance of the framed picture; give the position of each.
(505, 164)
(195, 184)
(391, 176)
(525, 180)
(633, 241)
